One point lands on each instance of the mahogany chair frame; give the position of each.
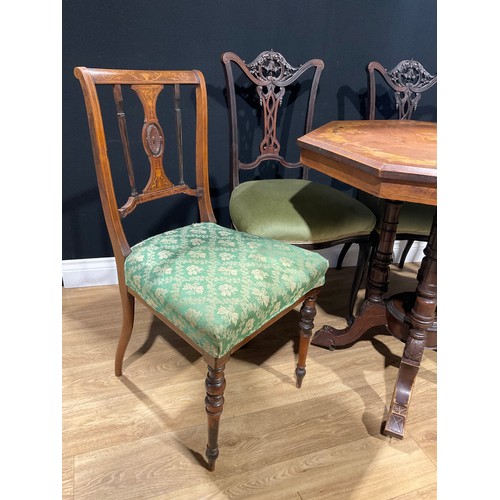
(271, 74)
(147, 85)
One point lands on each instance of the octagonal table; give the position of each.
(395, 160)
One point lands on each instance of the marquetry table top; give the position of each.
(391, 159)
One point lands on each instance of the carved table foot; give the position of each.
(422, 322)
(371, 315)
(398, 410)
(372, 310)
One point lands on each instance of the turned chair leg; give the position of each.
(215, 384)
(306, 325)
(128, 307)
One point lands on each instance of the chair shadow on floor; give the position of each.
(158, 330)
(284, 332)
(256, 352)
(162, 416)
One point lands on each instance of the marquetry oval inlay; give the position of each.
(154, 139)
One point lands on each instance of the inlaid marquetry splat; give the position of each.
(153, 138)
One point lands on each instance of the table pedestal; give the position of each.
(423, 325)
(377, 311)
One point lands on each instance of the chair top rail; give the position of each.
(130, 77)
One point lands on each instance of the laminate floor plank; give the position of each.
(142, 436)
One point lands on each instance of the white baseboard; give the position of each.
(415, 254)
(89, 272)
(102, 271)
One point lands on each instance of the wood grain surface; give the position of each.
(392, 159)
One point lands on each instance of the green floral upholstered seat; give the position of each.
(219, 285)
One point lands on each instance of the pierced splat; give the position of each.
(272, 69)
(408, 79)
(270, 74)
(152, 137)
(270, 100)
(271, 66)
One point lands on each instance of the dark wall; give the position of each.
(188, 34)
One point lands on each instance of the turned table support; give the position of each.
(372, 310)
(413, 327)
(422, 319)
(396, 161)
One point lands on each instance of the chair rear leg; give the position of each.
(306, 325)
(342, 255)
(406, 249)
(128, 307)
(361, 265)
(215, 384)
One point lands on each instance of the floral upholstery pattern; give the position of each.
(219, 285)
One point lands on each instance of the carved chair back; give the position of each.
(271, 76)
(408, 79)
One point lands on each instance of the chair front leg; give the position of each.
(306, 325)
(215, 384)
(128, 310)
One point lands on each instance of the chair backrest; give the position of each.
(114, 84)
(408, 79)
(270, 76)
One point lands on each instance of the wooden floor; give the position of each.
(143, 436)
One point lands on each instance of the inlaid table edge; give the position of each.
(387, 184)
(383, 170)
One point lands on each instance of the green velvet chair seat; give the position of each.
(414, 218)
(219, 285)
(298, 211)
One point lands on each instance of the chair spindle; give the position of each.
(178, 125)
(122, 124)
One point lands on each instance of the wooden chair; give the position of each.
(285, 205)
(407, 80)
(215, 287)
